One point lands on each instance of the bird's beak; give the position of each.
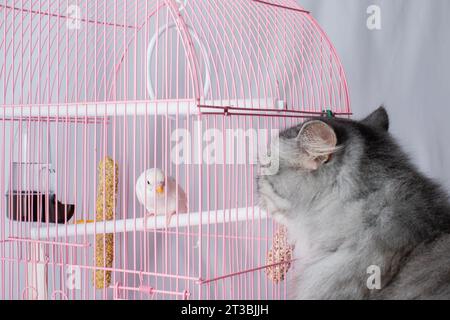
(160, 188)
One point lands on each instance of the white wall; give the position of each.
(404, 65)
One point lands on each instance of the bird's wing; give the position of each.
(139, 194)
(171, 195)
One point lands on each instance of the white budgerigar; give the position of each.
(152, 190)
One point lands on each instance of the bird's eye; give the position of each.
(148, 182)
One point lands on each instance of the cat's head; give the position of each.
(319, 154)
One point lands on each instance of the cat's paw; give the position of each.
(270, 201)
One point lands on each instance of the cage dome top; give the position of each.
(227, 56)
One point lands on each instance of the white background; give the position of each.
(404, 65)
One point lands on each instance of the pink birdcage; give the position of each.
(94, 93)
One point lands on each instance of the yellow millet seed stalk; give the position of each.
(281, 252)
(108, 181)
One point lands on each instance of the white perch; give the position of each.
(170, 107)
(150, 223)
(101, 109)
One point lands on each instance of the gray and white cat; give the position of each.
(351, 199)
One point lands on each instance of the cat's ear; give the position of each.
(378, 119)
(318, 142)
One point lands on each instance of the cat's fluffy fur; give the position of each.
(365, 205)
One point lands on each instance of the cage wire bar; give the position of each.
(93, 93)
